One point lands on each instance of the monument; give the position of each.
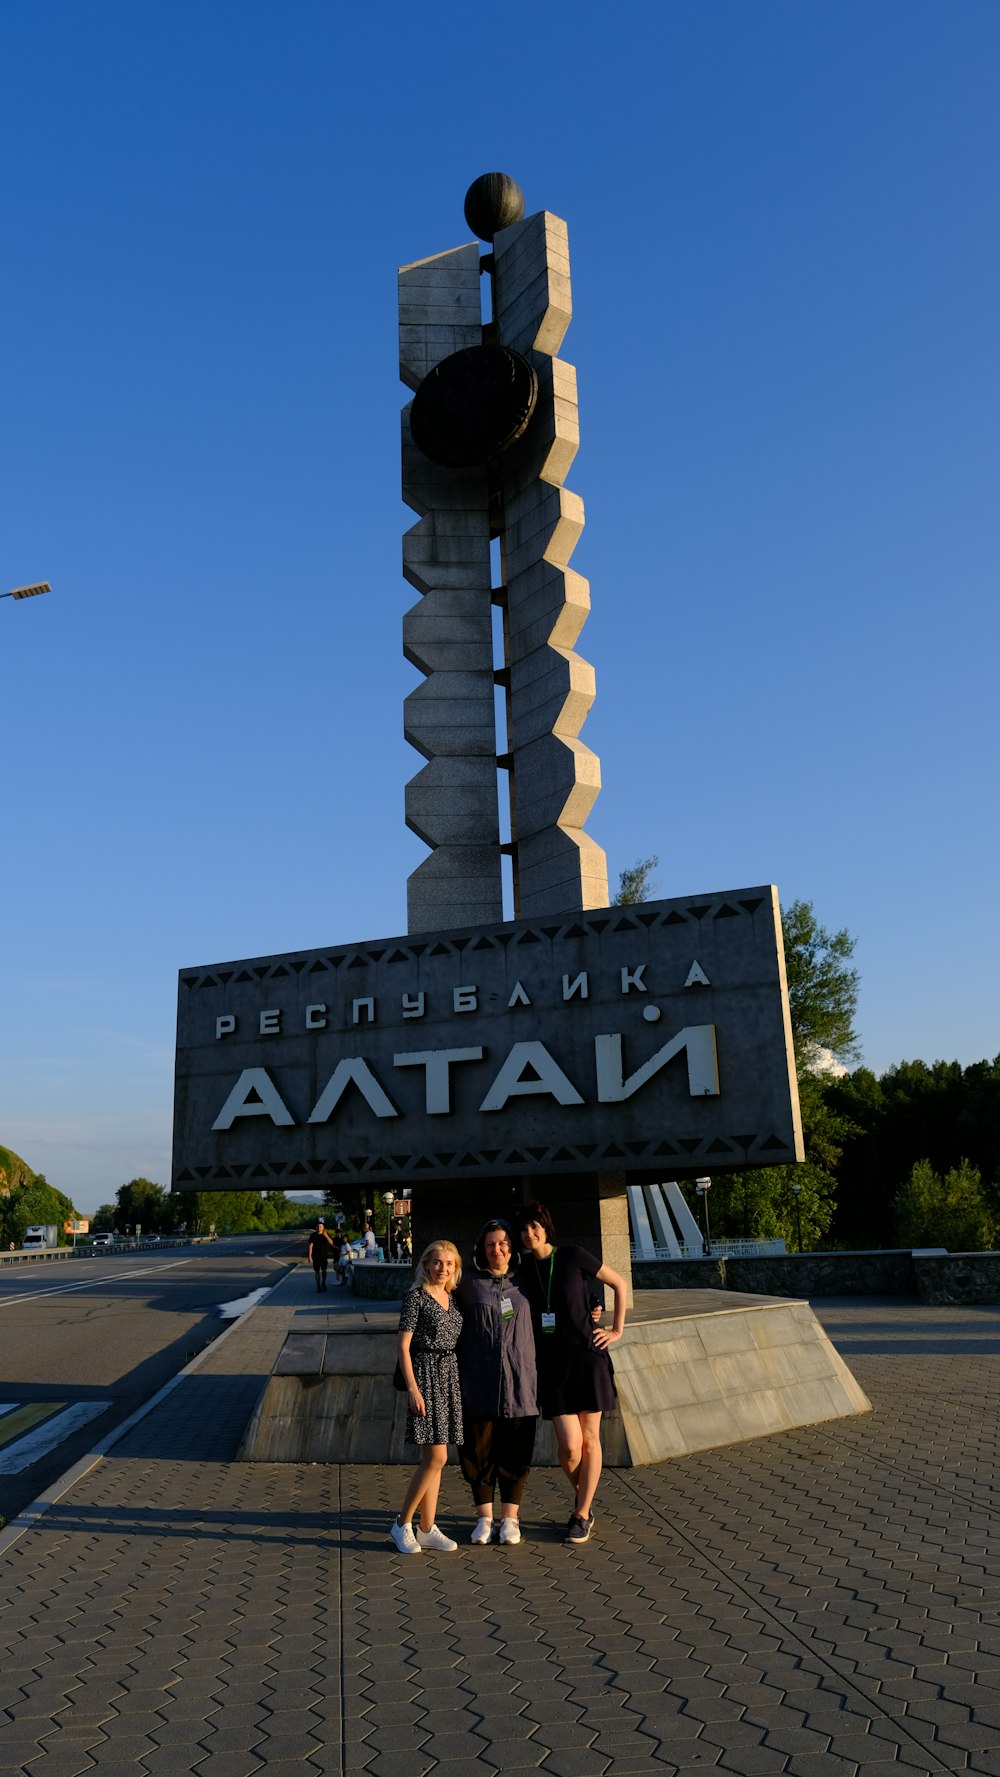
(475, 1059)
(480, 1060)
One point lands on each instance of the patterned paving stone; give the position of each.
(816, 1604)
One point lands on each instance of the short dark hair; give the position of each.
(492, 1227)
(535, 1212)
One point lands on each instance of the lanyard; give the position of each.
(548, 1290)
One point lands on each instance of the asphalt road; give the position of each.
(100, 1337)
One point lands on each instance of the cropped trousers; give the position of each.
(497, 1453)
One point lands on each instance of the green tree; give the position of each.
(352, 1199)
(822, 1000)
(637, 883)
(233, 1212)
(33, 1202)
(936, 1112)
(761, 1205)
(143, 1204)
(105, 1219)
(951, 1211)
(822, 988)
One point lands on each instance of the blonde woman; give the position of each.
(429, 1326)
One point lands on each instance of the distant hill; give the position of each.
(13, 1172)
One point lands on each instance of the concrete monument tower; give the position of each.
(488, 441)
(475, 1061)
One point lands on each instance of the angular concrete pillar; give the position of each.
(555, 777)
(448, 635)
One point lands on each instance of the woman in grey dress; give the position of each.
(496, 1365)
(429, 1326)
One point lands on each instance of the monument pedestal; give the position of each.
(693, 1372)
(589, 1210)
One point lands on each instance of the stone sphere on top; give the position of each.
(492, 202)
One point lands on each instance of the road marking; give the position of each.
(53, 1422)
(242, 1305)
(24, 1417)
(93, 1283)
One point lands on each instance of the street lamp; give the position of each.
(27, 592)
(797, 1193)
(388, 1198)
(703, 1186)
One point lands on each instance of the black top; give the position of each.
(572, 1268)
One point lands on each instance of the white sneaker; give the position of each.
(404, 1539)
(510, 1531)
(482, 1530)
(435, 1539)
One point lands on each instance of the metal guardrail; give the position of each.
(87, 1251)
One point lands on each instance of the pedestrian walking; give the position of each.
(320, 1248)
(575, 1374)
(336, 1248)
(497, 1371)
(430, 1323)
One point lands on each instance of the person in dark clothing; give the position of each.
(575, 1375)
(496, 1367)
(320, 1247)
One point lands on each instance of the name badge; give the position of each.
(506, 1308)
(548, 1323)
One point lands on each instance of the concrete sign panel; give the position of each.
(652, 1038)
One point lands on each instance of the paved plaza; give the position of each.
(820, 1603)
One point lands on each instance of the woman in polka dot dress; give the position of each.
(429, 1327)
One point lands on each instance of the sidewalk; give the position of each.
(821, 1603)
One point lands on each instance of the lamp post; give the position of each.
(27, 592)
(703, 1186)
(797, 1193)
(388, 1198)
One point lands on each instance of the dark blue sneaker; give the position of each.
(579, 1529)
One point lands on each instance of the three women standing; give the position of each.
(523, 1342)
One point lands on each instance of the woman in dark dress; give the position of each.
(496, 1367)
(575, 1377)
(429, 1328)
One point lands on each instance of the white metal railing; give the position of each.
(721, 1249)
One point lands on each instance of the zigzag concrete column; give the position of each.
(452, 803)
(555, 778)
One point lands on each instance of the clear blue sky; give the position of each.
(783, 220)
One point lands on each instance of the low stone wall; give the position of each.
(951, 1278)
(380, 1283)
(792, 1274)
(946, 1278)
(679, 1274)
(825, 1274)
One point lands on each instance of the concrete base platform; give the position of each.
(693, 1371)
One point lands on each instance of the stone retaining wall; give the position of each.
(945, 1278)
(934, 1278)
(958, 1277)
(380, 1283)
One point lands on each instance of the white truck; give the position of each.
(40, 1237)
